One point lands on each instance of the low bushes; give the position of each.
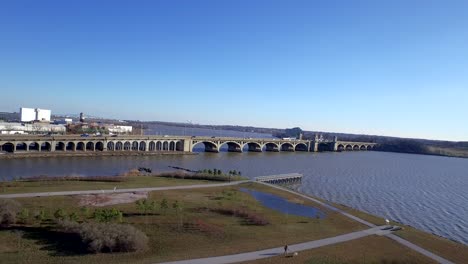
(105, 237)
(9, 209)
(197, 176)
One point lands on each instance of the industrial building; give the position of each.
(34, 114)
(119, 129)
(22, 128)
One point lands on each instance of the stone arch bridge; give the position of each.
(74, 143)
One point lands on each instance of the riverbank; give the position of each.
(173, 232)
(56, 154)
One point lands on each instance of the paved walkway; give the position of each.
(107, 191)
(391, 236)
(256, 254)
(280, 250)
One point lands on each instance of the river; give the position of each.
(427, 192)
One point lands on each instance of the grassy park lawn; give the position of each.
(371, 249)
(443, 247)
(194, 231)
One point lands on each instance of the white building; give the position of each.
(34, 114)
(27, 114)
(119, 129)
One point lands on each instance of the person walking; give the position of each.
(286, 249)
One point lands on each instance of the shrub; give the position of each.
(40, 216)
(145, 205)
(84, 212)
(100, 237)
(164, 205)
(60, 214)
(8, 211)
(23, 215)
(73, 217)
(106, 215)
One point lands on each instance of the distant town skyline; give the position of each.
(362, 67)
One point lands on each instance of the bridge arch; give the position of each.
(301, 147)
(80, 146)
(127, 145)
(70, 146)
(231, 146)
(142, 146)
(159, 145)
(179, 146)
(340, 147)
(172, 146)
(286, 146)
(90, 146)
(8, 147)
(46, 146)
(135, 145)
(356, 147)
(119, 145)
(252, 147)
(370, 147)
(209, 146)
(271, 146)
(152, 146)
(21, 146)
(165, 146)
(349, 147)
(363, 147)
(99, 146)
(60, 146)
(34, 146)
(110, 146)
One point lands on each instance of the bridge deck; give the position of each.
(279, 178)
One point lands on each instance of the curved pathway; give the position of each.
(256, 254)
(107, 191)
(266, 253)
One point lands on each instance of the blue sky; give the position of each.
(397, 68)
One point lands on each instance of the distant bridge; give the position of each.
(75, 143)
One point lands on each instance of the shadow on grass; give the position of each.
(57, 243)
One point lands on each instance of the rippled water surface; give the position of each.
(428, 192)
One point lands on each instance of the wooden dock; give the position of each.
(280, 178)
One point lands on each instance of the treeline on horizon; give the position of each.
(386, 143)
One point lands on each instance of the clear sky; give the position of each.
(397, 68)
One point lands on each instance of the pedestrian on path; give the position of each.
(286, 249)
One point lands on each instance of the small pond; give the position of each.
(284, 206)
